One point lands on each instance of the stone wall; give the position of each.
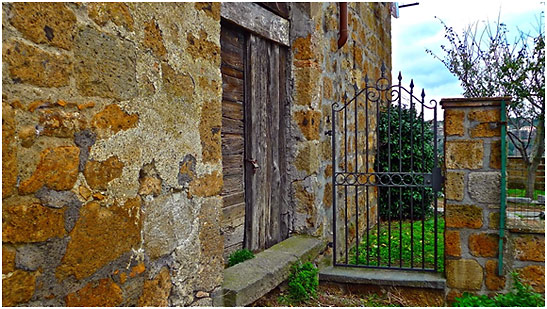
(472, 205)
(111, 154)
(322, 75)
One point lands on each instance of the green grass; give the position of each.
(522, 193)
(406, 246)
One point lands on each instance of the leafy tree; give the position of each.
(488, 65)
(416, 155)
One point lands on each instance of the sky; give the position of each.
(416, 30)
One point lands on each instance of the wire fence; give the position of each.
(525, 212)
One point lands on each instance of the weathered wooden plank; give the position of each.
(233, 236)
(247, 108)
(278, 8)
(273, 140)
(261, 133)
(232, 160)
(232, 184)
(231, 37)
(233, 199)
(284, 218)
(230, 71)
(231, 59)
(232, 110)
(233, 216)
(232, 144)
(257, 20)
(232, 126)
(233, 171)
(232, 88)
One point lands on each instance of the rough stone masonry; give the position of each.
(472, 205)
(111, 157)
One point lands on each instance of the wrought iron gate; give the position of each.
(385, 178)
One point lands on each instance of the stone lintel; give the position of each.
(473, 102)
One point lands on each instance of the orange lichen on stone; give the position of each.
(31, 223)
(8, 259)
(454, 185)
(102, 293)
(200, 47)
(85, 192)
(177, 84)
(464, 154)
(29, 64)
(101, 235)
(209, 131)
(153, 39)
(49, 23)
(493, 281)
(495, 155)
(452, 243)
(17, 287)
(206, 185)
(57, 169)
(485, 130)
(302, 48)
(534, 275)
(137, 270)
(38, 103)
(114, 119)
(86, 105)
(99, 174)
(529, 247)
(454, 121)
(211, 9)
(308, 121)
(485, 115)
(150, 185)
(468, 216)
(118, 13)
(155, 292)
(60, 123)
(483, 245)
(9, 151)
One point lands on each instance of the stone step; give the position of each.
(246, 282)
(383, 277)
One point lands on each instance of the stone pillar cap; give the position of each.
(473, 102)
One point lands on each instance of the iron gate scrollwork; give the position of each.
(374, 200)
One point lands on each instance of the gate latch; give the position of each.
(437, 179)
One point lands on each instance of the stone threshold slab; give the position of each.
(246, 282)
(384, 277)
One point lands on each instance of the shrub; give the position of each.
(521, 295)
(422, 160)
(303, 282)
(239, 256)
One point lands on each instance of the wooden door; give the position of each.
(253, 140)
(266, 220)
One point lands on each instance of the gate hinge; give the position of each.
(437, 179)
(328, 133)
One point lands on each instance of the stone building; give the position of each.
(142, 142)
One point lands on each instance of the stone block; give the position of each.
(454, 185)
(206, 185)
(105, 65)
(153, 39)
(452, 295)
(99, 174)
(494, 220)
(452, 243)
(175, 83)
(484, 115)
(9, 151)
(464, 274)
(483, 244)
(495, 155)
(211, 245)
(307, 158)
(484, 187)
(199, 47)
(8, 259)
(59, 123)
(32, 65)
(464, 154)
(113, 119)
(534, 275)
(150, 186)
(454, 121)
(485, 130)
(169, 221)
(101, 235)
(31, 223)
(211, 9)
(209, 131)
(302, 48)
(307, 85)
(155, 292)
(118, 13)
(493, 281)
(308, 121)
(463, 216)
(102, 293)
(529, 247)
(44, 23)
(17, 287)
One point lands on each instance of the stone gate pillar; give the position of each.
(472, 162)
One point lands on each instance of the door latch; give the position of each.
(254, 163)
